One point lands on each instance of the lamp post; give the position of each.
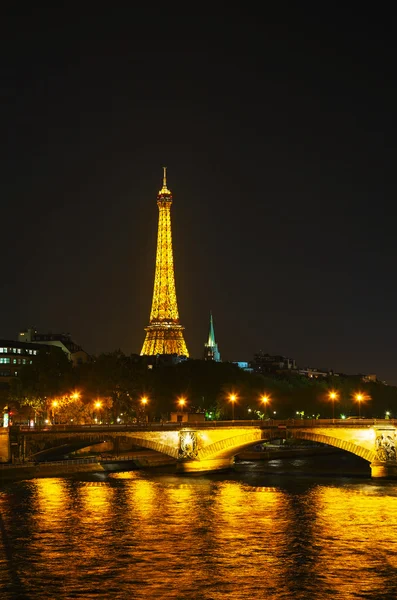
(54, 406)
(98, 405)
(359, 398)
(333, 396)
(232, 399)
(181, 402)
(144, 401)
(265, 400)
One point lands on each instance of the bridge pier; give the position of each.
(383, 470)
(209, 465)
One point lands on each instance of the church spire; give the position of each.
(211, 334)
(211, 351)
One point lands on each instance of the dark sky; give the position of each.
(280, 140)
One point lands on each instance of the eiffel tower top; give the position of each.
(164, 190)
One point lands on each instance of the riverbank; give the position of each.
(129, 462)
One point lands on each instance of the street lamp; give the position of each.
(98, 405)
(182, 402)
(359, 398)
(333, 396)
(54, 406)
(232, 399)
(265, 400)
(144, 401)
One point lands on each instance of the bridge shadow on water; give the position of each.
(339, 464)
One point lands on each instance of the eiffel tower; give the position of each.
(164, 334)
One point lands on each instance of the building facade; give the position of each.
(74, 352)
(272, 363)
(14, 355)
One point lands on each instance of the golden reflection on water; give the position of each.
(50, 498)
(359, 531)
(95, 502)
(250, 531)
(198, 539)
(141, 498)
(124, 475)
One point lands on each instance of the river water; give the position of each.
(309, 528)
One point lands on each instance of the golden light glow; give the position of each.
(98, 404)
(144, 400)
(164, 334)
(333, 395)
(360, 397)
(182, 402)
(54, 403)
(233, 398)
(75, 395)
(265, 399)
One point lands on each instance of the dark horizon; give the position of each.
(278, 137)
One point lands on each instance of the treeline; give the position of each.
(112, 386)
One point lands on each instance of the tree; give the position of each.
(114, 379)
(49, 375)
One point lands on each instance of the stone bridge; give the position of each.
(209, 446)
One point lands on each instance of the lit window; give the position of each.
(34, 351)
(16, 373)
(14, 350)
(4, 360)
(19, 351)
(14, 361)
(24, 361)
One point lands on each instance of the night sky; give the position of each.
(280, 141)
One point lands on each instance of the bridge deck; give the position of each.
(265, 424)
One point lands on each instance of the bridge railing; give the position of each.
(265, 423)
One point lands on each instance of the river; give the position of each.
(309, 528)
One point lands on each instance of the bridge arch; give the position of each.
(229, 447)
(343, 444)
(158, 446)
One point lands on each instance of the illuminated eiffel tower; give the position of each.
(164, 334)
